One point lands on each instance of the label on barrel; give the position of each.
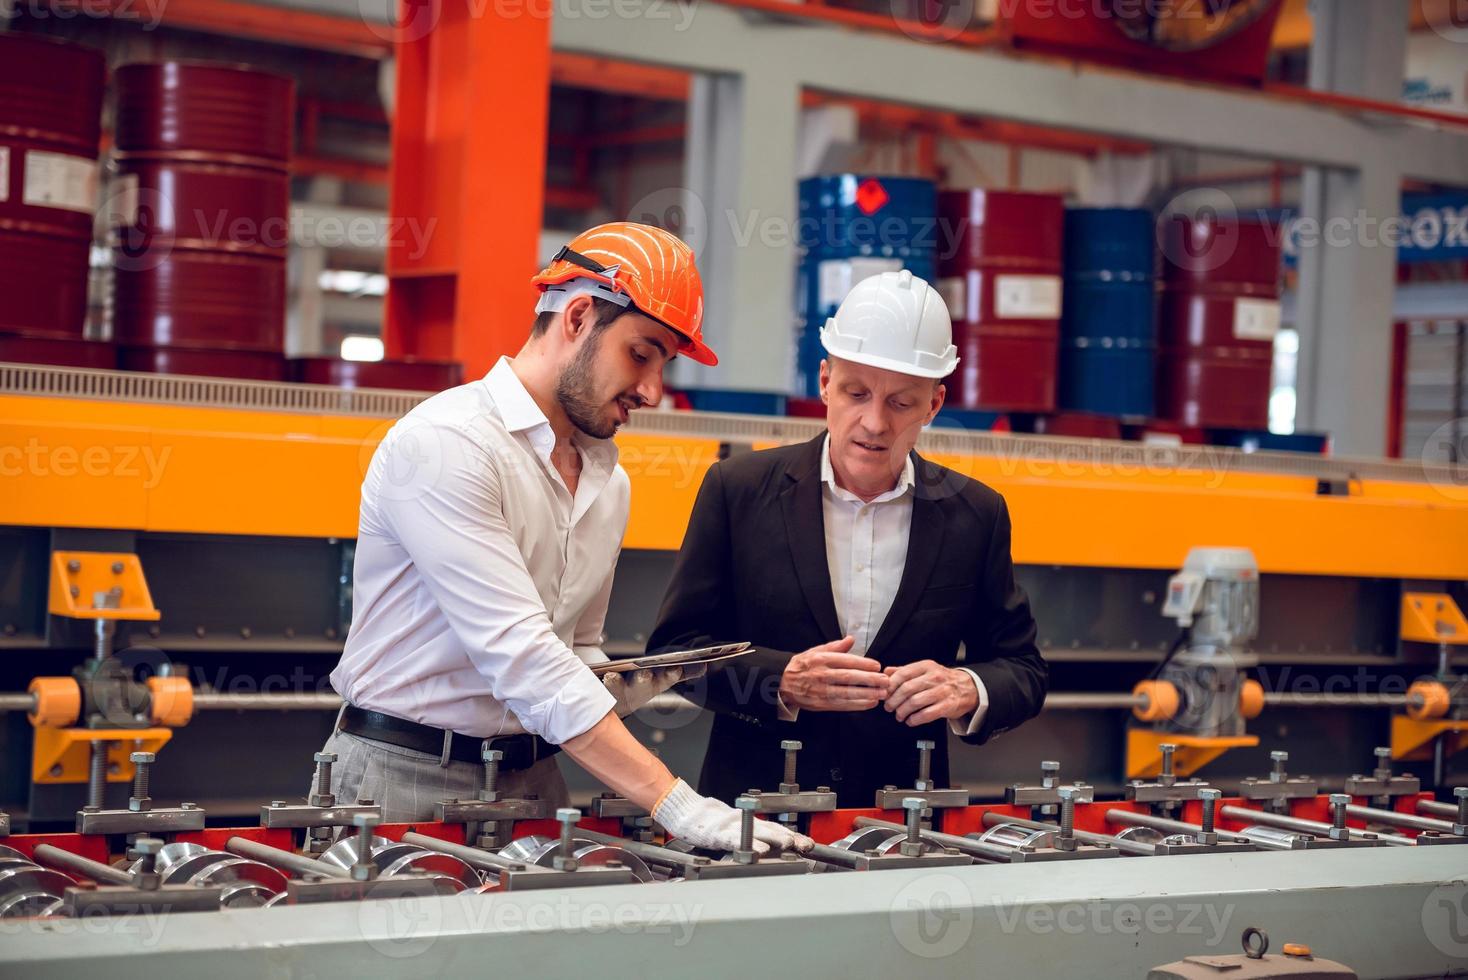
(954, 291)
(121, 206)
(1256, 319)
(1027, 297)
(56, 180)
(4, 173)
(837, 276)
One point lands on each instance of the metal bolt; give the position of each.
(97, 775)
(1279, 759)
(364, 869)
(1338, 804)
(1210, 798)
(1049, 773)
(745, 853)
(790, 784)
(142, 766)
(1167, 778)
(491, 757)
(564, 861)
(925, 765)
(1383, 762)
(1460, 827)
(146, 876)
(1067, 841)
(322, 796)
(73, 566)
(913, 845)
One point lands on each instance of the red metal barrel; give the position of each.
(214, 111)
(999, 267)
(94, 354)
(50, 118)
(406, 374)
(200, 242)
(1216, 322)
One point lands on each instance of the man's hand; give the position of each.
(634, 688)
(706, 822)
(830, 678)
(926, 691)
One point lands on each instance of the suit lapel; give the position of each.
(805, 529)
(923, 543)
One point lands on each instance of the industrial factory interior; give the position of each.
(728, 488)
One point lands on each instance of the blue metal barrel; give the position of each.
(852, 226)
(1108, 327)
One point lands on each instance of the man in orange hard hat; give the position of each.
(492, 516)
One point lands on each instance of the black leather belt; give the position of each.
(521, 751)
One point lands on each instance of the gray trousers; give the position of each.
(406, 783)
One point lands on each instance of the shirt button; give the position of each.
(861, 568)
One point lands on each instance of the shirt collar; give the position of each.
(517, 409)
(519, 413)
(905, 482)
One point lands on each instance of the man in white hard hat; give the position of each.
(873, 561)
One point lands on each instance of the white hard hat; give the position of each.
(894, 321)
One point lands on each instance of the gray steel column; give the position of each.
(740, 165)
(1348, 278)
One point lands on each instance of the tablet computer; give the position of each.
(677, 658)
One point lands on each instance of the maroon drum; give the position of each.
(50, 119)
(1216, 322)
(999, 268)
(201, 206)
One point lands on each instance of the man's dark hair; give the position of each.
(606, 312)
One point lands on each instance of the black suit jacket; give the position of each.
(753, 567)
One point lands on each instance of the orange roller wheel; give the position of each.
(1162, 700)
(1427, 699)
(1251, 699)
(172, 701)
(58, 702)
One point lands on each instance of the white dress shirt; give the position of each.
(866, 552)
(481, 582)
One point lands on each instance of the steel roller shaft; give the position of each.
(96, 870)
(285, 860)
(1303, 826)
(1133, 819)
(992, 819)
(966, 845)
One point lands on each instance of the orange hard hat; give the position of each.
(651, 267)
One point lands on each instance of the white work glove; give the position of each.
(706, 822)
(634, 688)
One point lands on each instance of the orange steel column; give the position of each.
(468, 178)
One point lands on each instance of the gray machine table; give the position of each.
(1386, 912)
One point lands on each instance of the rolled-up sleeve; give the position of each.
(454, 529)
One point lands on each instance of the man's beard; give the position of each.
(575, 391)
